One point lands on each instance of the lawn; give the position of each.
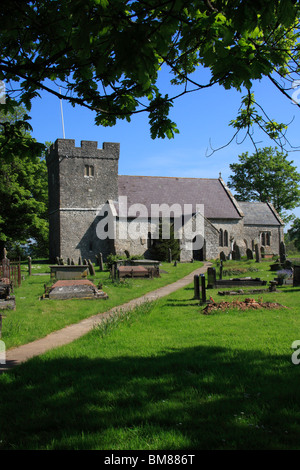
(35, 318)
(165, 377)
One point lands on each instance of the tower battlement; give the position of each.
(87, 149)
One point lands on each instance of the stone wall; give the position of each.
(253, 233)
(235, 231)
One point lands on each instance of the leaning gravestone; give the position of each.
(91, 268)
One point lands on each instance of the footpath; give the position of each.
(20, 354)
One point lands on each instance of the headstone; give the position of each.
(257, 254)
(282, 252)
(296, 277)
(196, 287)
(101, 261)
(221, 269)
(29, 265)
(249, 253)
(68, 262)
(170, 255)
(91, 268)
(237, 252)
(222, 256)
(211, 278)
(5, 268)
(203, 289)
(113, 271)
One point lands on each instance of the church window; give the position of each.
(221, 238)
(225, 238)
(266, 238)
(89, 170)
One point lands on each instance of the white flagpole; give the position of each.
(62, 116)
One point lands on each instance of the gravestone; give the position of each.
(257, 253)
(237, 253)
(221, 269)
(282, 252)
(101, 261)
(249, 253)
(91, 268)
(296, 277)
(211, 278)
(203, 289)
(5, 268)
(196, 287)
(222, 256)
(29, 265)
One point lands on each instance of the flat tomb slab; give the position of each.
(133, 271)
(75, 289)
(68, 271)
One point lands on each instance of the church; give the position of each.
(93, 209)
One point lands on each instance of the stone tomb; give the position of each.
(68, 271)
(75, 289)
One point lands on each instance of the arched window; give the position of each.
(221, 238)
(225, 238)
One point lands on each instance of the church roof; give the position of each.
(212, 193)
(259, 213)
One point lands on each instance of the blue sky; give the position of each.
(202, 117)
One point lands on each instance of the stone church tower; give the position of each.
(80, 180)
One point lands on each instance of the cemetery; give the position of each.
(216, 347)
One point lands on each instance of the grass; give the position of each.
(165, 377)
(35, 318)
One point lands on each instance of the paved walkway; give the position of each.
(70, 333)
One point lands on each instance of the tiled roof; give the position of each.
(149, 190)
(259, 213)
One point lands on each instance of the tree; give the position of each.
(107, 55)
(167, 241)
(267, 176)
(23, 189)
(294, 233)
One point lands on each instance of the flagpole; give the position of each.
(62, 116)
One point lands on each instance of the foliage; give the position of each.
(266, 176)
(111, 259)
(294, 233)
(23, 190)
(108, 55)
(167, 241)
